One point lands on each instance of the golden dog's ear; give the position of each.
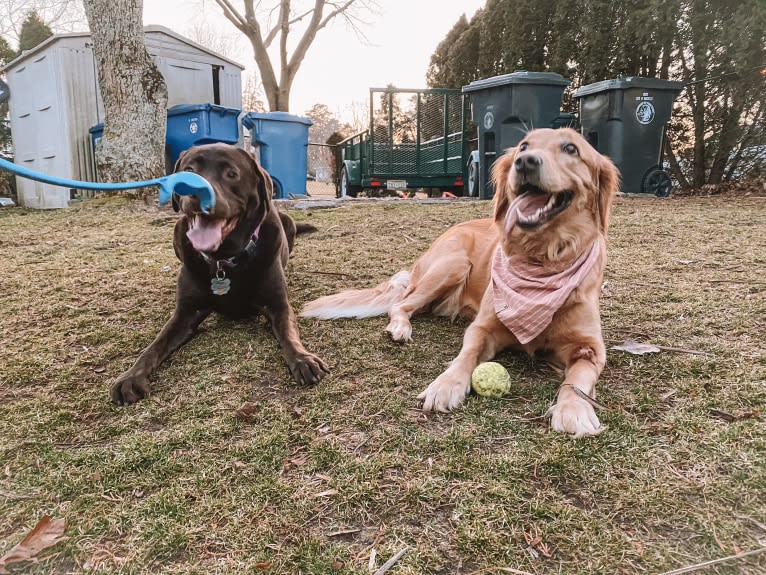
(500, 170)
(608, 186)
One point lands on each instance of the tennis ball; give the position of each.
(490, 379)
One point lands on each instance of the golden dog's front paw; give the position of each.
(400, 330)
(445, 393)
(575, 416)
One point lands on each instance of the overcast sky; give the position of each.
(339, 68)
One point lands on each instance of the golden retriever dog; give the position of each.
(529, 278)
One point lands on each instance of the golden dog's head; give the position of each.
(553, 194)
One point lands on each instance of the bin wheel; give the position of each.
(473, 180)
(656, 181)
(345, 188)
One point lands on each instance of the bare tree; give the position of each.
(213, 38)
(133, 90)
(261, 33)
(252, 94)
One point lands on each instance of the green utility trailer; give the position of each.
(416, 139)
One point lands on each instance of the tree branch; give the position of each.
(273, 32)
(232, 15)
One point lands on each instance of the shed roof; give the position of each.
(147, 30)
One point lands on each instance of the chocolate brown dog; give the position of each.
(233, 260)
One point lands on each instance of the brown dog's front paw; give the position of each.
(308, 369)
(129, 389)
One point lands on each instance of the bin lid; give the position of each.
(627, 83)
(518, 77)
(97, 128)
(187, 108)
(251, 117)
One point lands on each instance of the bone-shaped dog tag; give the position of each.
(220, 285)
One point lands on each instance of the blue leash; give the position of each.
(180, 183)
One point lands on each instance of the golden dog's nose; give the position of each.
(527, 164)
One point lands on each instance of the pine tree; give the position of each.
(33, 32)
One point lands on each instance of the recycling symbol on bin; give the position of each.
(193, 127)
(489, 120)
(645, 113)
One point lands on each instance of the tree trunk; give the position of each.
(133, 90)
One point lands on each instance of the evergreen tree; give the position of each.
(33, 32)
(6, 52)
(714, 45)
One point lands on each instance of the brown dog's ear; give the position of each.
(174, 199)
(178, 161)
(608, 186)
(265, 185)
(500, 170)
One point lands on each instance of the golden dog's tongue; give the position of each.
(205, 234)
(527, 204)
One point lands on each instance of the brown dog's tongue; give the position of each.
(527, 205)
(205, 234)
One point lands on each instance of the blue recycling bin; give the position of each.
(194, 124)
(282, 140)
(95, 134)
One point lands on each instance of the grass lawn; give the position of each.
(336, 479)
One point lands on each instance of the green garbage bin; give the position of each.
(504, 108)
(625, 119)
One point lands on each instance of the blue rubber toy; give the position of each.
(182, 183)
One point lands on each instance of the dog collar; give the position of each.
(234, 261)
(219, 283)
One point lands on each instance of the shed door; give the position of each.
(188, 82)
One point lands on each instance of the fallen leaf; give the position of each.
(636, 348)
(263, 565)
(731, 417)
(338, 565)
(46, 533)
(246, 411)
(293, 463)
(100, 369)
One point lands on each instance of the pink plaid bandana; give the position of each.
(526, 296)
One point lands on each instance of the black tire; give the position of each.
(344, 186)
(472, 185)
(656, 181)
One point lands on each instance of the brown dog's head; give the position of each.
(242, 197)
(553, 193)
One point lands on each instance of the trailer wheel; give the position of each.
(345, 188)
(473, 180)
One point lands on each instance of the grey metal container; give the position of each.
(505, 108)
(625, 119)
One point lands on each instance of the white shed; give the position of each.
(55, 101)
